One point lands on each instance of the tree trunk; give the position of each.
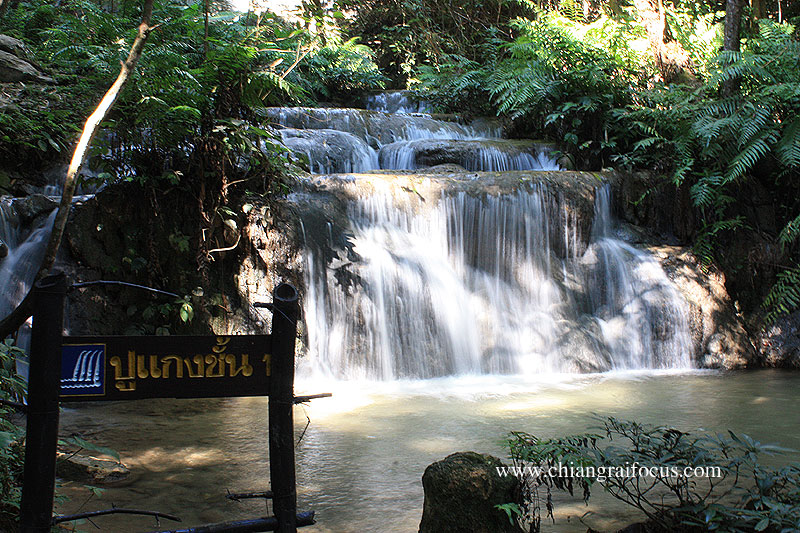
(732, 40)
(672, 61)
(13, 321)
(759, 9)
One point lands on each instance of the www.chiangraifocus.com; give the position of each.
(604, 473)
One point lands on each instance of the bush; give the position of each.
(12, 435)
(745, 496)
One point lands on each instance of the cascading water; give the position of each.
(501, 284)
(25, 252)
(469, 283)
(396, 102)
(19, 267)
(355, 140)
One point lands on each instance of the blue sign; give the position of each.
(83, 370)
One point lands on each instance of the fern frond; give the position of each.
(788, 147)
(784, 296)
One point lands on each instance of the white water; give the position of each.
(494, 286)
(348, 140)
(18, 269)
(396, 102)
(331, 151)
(473, 156)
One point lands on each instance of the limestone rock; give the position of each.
(652, 201)
(779, 343)
(718, 334)
(13, 46)
(461, 492)
(330, 151)
(13, 69)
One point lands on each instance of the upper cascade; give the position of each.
(402, 102)
(336, 140)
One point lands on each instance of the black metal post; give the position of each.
(285, 309)
(41, 440)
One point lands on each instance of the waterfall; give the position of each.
(357, 140)
(494, 285)
(396, 102)
(19, 267)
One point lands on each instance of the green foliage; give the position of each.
(184, 83)
(408, 34)
(81, 444)
(341, 70)
(457, 83)
(784, 296)
(555, 79)
(719, 143)
(645, 466)
(12, 434)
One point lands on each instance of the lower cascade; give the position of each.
(481, 284)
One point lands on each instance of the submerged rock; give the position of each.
(87, 469)
(461, 492)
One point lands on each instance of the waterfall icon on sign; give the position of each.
(83, 369)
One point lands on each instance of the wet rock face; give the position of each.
(653, 202)
(718, 334)
(331, 151)
(33, 206)
(779, 344)
(461, 492)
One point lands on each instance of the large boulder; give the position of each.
(461, 492)
(13, 46)
(14, 69)
(718, 334)
(33, 206)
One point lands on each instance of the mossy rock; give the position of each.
(461, 493)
